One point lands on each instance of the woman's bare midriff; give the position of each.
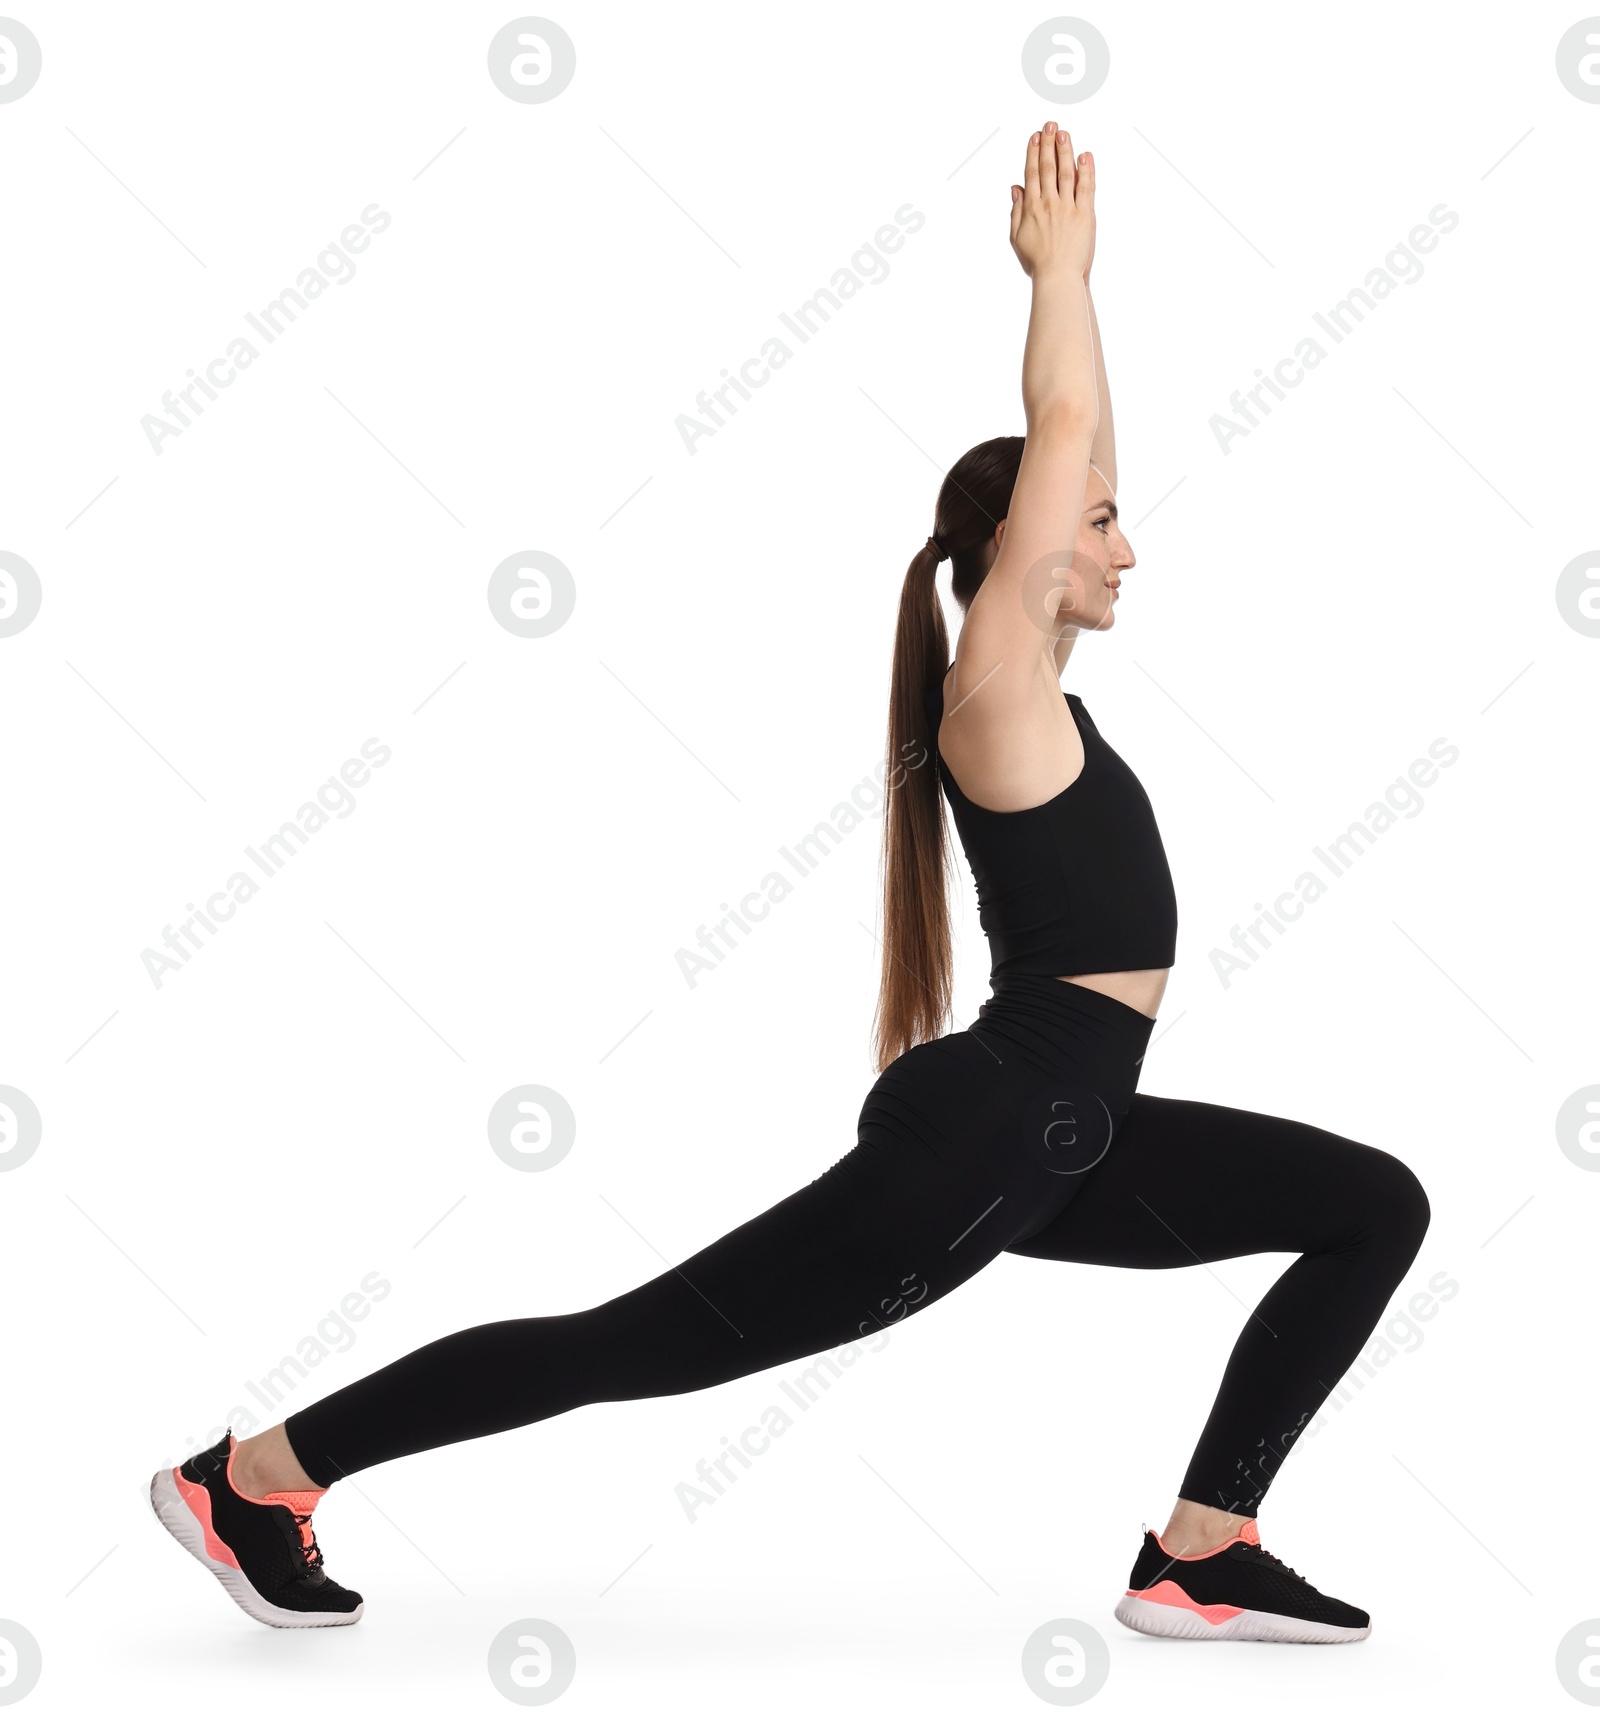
(1141, 989)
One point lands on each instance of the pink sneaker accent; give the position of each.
(298, 1502)
(198, 1500)
(1248, 1532)
(1169, 1592)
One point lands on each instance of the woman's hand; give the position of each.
(1052, 215)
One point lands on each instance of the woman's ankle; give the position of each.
(1193, 1528)
(265, 1464)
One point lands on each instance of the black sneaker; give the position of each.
(1237, 1591)
(262, 1549)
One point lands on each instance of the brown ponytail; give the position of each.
(914, 993)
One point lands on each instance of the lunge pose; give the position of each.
(1023, 1132)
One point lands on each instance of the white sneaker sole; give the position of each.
(180, 1520)
(1177, 1623)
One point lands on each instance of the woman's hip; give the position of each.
(1034, 1089)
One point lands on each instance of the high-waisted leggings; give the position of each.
(1022, 1133)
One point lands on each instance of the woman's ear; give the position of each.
(994, 547)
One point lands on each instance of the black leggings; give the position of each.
(1022, 1133)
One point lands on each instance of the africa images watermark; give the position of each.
(802, 1394)
(1338, 856)
(1401, 267)
(332, 268)
(805, 856)
(1400, 1335)
(334, 800)
(867, 268)
(333, 1334)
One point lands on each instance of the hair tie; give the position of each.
(939, 552)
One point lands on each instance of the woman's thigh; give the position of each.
(1193, 1182)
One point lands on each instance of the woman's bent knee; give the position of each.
(1398, 1204)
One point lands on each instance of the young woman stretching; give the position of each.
(1022, 1133)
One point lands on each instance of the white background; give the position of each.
(225, 1157)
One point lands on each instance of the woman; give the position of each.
(1022, 1133)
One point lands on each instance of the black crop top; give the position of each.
(1078, 885)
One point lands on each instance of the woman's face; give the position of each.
(1084, 594)
(1102, 553)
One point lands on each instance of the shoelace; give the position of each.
(1278, 1562)
(310, 1553)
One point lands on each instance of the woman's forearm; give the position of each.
(1104, 451)
(1058, 360)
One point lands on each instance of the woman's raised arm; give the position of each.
(1007, 639)
(1104, 453)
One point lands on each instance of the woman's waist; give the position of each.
(1141, 989)
(1056, 1022)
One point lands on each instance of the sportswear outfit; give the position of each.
(1022, 1133)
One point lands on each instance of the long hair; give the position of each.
(914, 992)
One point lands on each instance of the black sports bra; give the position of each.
(1078, 885)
